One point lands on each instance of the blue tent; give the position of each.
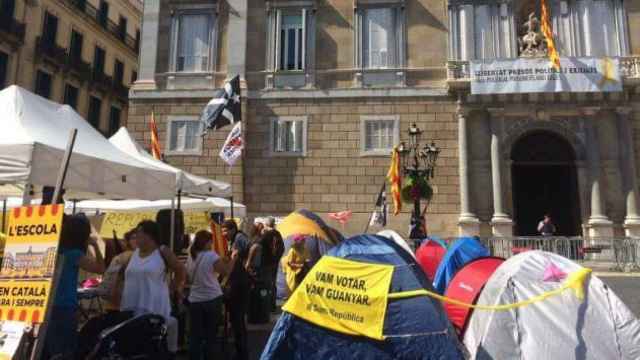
(461, 252)
(414, 328)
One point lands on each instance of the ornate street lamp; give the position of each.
(418, 165)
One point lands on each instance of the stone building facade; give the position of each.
(329, 86)
(79, 52)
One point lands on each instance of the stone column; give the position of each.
(148, 46)
(599, 224)
(237, 39)
(629, 172)
(501, 223)
(468, 223)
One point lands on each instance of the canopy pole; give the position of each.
(179, 199)
(64, 166)
(26, 195)
(173, 223)
(4, 214)
(231, 210)
(73, 211)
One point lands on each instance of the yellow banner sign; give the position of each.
(123, 222)
(29, 262)
(345, 296)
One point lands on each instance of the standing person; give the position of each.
(546, 226)
(238, 287)
(273, 246)
(146, 279)
(75, 237)
(296, 263)
(205, 297)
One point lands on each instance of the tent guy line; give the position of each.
(575, 282)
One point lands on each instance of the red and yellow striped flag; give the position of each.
(155, 144)
(220, 244)
(395, 180)
(547, 30)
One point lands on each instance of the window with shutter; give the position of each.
(288, 136)
(379, 134)
(184, 136)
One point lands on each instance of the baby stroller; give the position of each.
(141, 337)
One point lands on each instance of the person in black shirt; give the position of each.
(237, 287)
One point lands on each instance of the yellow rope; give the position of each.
(575, 282)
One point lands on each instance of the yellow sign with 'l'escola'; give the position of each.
(346, 296)
(29, 262)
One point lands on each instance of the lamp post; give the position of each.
(418, 164)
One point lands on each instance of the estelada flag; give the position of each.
(155, 143)
(547, 30)
(395, 180)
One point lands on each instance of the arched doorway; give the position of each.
(544, 179)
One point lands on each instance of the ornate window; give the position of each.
(193, 40)
(484, 30)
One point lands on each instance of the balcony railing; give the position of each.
(459, 72)
(121, 91)
(51, 51)
(101, 81)
(13, 28)
(112, 28)
(76, 66)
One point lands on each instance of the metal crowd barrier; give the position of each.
(616, 254)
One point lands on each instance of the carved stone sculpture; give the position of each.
(532, 43)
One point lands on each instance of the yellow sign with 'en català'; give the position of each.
(345, 296)
(29, 262)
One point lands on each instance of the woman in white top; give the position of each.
(147, 278)
(205, 296)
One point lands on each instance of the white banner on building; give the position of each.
(533, 75)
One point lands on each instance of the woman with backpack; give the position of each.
(147, 278)
(205, 296)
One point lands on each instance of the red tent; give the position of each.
(429, 255)
(466, 286)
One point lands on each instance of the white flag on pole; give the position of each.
(232, 148)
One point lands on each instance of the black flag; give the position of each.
(379, 216)
(224, 108)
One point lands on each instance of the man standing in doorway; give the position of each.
(546, 226)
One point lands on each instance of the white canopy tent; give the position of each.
(131, 206)
(186, 183)
(208, 204)
(33, 140)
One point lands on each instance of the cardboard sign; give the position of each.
(29, 262)
(345, 296)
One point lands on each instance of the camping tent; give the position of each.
(466, 286)
(390, 234)
(412, 327)
(562, 326)
(186, 183)
(319, 238)
(33, 140)
(461, 252)
(429, 256)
